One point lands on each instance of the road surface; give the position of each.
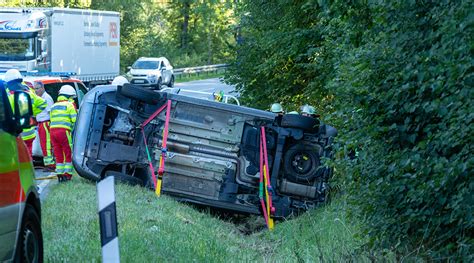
(206, 85)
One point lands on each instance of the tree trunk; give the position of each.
(185, 29)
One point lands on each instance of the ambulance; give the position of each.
(20, 209)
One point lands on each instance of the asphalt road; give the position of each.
(206, 86)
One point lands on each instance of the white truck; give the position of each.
(84, 43)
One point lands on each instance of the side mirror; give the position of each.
(23, 109)
(129, 67)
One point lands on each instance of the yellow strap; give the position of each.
(158, 187)
(267, 198)
(158, 181)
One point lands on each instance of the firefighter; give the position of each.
(14, 79)
(277, 108)
(63, 117)
(119, 81)
(43, 126)
(309, 111)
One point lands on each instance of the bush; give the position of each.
(397, 79)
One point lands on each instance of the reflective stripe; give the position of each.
(48, 160)
(59, 107)
(60, 115)
(55, 124)
(28, 133)
(60, 168)
(68, 168)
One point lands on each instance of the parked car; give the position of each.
(20, 209)
(152, 72)
(213, 153)
(52, 86)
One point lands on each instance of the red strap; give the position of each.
(161, 169)
(158, 111)
(265, 158)
(142, 126)
(261, 195)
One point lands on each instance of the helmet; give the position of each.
(293, 112)
(119, 81)
(67, 90)
(307, 109)
(13, 74)
(276, 108)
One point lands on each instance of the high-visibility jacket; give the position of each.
(63, 114)
(38, 103)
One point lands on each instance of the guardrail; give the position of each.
(200, 69)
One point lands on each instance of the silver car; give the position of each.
(151, 72)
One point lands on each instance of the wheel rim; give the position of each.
(31, 247)
(301, 163)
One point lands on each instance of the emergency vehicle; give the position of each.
(20, 209)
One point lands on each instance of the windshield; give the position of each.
(17, 49)
(146, 64)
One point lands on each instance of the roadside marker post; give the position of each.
(108, 220)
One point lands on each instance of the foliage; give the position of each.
(396, 78)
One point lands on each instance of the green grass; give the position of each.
(153, 229)
(195, 76)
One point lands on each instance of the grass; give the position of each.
(196, 76)
(153, 229)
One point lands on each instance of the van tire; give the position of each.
(139, 93)
(305, 123)
(301, 163)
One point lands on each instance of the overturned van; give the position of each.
(213, 150)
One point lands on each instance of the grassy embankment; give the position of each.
(153, 229)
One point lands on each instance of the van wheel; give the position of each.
(30, 241)
(124, 178)
(171, 84)
(139, 93)
(301, 163)
(301, 122)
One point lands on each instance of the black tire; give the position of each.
(159, 84)
(124, 178)
(171, 83)
(139, 93)
(301, 122)
(30, 240)
(301, 163)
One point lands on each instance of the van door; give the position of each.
(10, 185)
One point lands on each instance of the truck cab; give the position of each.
(24, 40)
(20, 209)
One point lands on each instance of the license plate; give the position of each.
(139, 81)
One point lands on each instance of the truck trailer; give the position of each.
(61, 41)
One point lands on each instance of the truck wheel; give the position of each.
(139, 93)
(301, 162)
(30, 240)
(171, 84)
(301, 122)
(124, 178)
